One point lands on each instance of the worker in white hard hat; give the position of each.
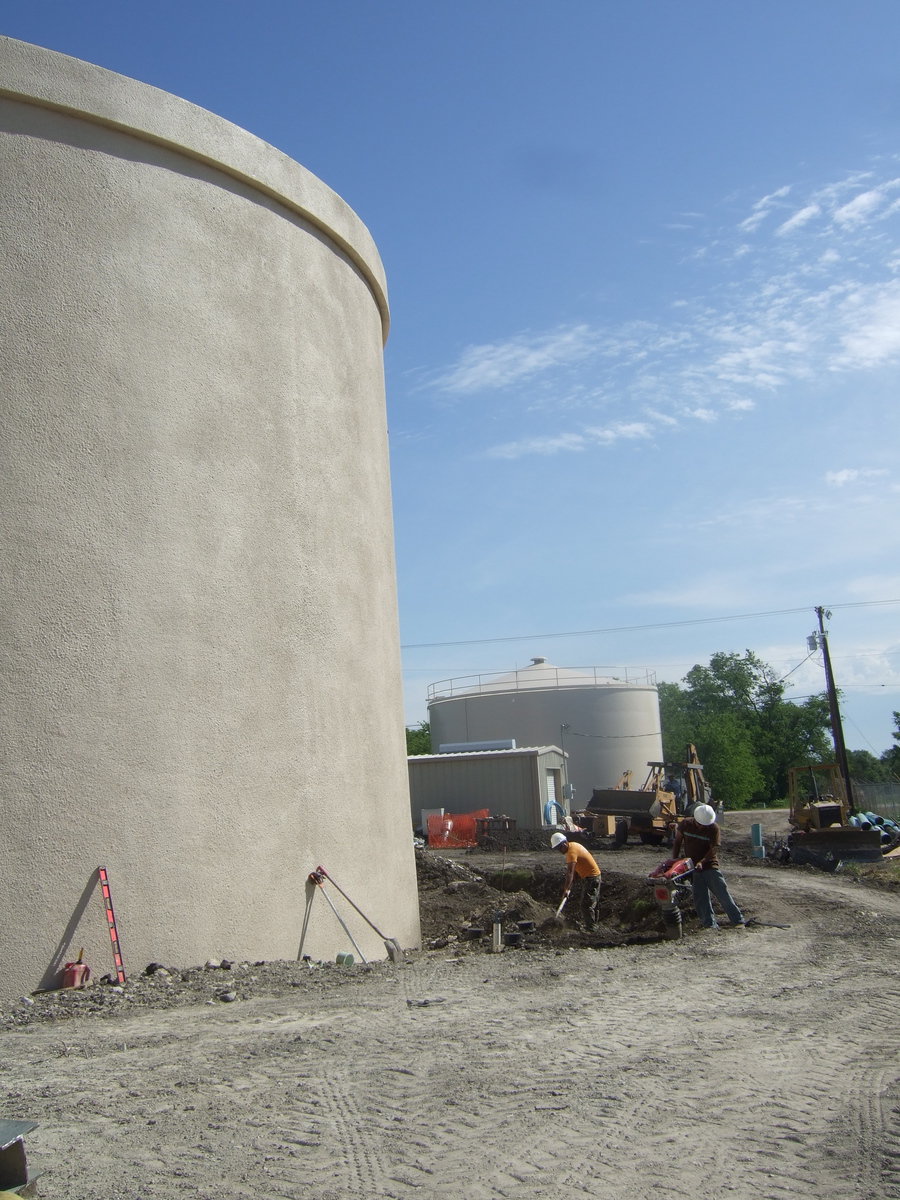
(580, 862)
(698, 837)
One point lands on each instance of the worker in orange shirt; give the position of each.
(580, 862)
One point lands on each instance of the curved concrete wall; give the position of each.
(200, 655)
(611, 728)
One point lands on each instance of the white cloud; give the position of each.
(874, 333)
(503, 363)
(840, 478)
(798, 220)
(619, 431)
(702, 414)
(760, 364)
(555, 443)
(859, 208)
(852, 475)
(762, 208)
(861, 666)
(831, 195)
(661, 418)
(552, 444)
(826, 298)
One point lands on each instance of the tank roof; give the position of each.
(541, 674)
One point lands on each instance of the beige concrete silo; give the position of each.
(200, 658)
(607, 723)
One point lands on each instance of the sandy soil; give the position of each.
(758, 1063)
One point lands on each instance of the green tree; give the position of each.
(676, 721)
(747, 734)
(729, 760)
(418, 738)
(791, 735)
(865, 767)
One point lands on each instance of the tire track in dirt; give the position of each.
(854, 1082)
(353, 1159)
(787, 1104)
(890, 1150)
(442, 1108)
(604, 1108)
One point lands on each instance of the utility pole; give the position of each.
(837, 729)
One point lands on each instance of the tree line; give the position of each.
(748, 734)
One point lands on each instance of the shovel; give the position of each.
(391, 945)
(562, 905)
(320, 882)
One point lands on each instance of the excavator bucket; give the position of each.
(826, 848)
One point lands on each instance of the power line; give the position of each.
(533, 637)
(850, 721)
(798, 666)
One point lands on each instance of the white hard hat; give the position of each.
(557, 840)
(705, 814)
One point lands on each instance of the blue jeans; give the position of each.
(712, 880)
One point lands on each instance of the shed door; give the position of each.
(551, 786)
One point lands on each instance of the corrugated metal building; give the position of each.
(512, 783)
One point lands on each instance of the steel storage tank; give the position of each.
(200, 646)
(606, 723)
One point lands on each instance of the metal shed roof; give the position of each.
(519, 750)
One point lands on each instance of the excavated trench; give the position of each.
(459, 904)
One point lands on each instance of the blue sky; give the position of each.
(644, 271)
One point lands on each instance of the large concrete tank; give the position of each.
(200, 649)
(606, 724)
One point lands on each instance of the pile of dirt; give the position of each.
(456, 899)
(513, 839)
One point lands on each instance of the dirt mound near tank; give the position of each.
(458, 903)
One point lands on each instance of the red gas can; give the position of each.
(75, 974)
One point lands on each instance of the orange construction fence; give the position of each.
(455, 829)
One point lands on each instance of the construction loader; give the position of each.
(824, 827)
(652, 811)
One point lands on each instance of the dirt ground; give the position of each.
(757, 1063)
